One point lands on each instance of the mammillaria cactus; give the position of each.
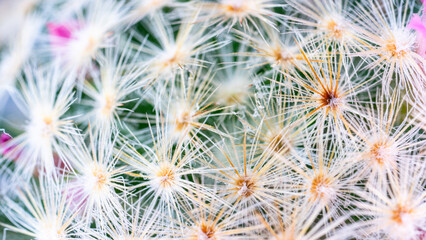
(212, 119)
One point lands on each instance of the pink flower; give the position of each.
(61, 36)
(4, 146)
(76, 196)
(419, 24)
(61, 33)
(7, 148)
(422, 234)
(60, 166)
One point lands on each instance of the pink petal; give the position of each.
(4, 138)
(61, 33)
(417, 24)
(76, 196)
(61, 167)
(422, 233)
(59, 30)
(4, 148)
